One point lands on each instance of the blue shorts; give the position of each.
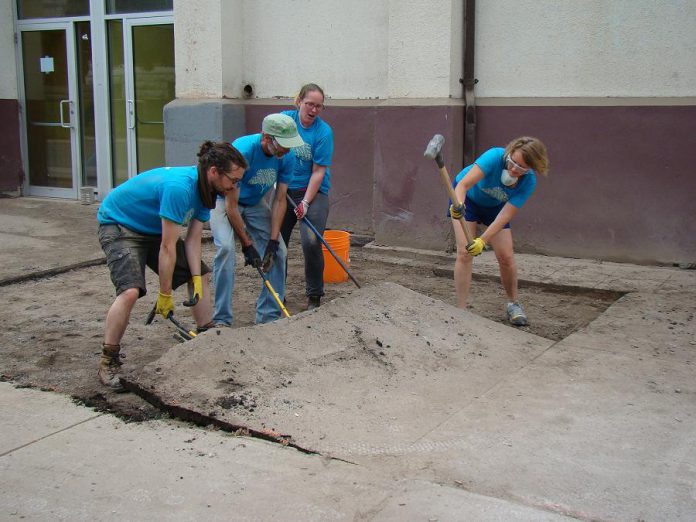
(479, 214)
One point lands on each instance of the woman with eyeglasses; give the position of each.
(493, 190)
(310, 185)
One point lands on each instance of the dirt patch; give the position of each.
(345, 380)
(53, 327)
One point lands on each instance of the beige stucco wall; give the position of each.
(207, 42)
(409, 49)
(363, 49)
(8, 78)
(593, 48)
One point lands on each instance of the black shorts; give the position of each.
(128, 252)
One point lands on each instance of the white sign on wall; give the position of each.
(46, 64)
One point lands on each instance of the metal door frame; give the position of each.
(73, 103)
(131, 109)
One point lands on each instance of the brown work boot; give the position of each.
(109, 366)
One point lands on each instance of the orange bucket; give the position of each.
(339, 241)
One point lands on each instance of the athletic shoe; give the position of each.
(516, 315)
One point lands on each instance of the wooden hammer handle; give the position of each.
(453, 196)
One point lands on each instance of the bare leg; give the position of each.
(118, 316)
(203, 311)
(463, 263)
(502, 245)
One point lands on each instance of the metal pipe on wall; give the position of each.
(468, 82)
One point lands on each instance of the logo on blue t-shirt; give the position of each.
(304, 152)
(496, 193)
(265, 178)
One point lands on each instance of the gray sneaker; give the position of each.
(516, 315)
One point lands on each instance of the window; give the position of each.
(138, 6)
(51, 8)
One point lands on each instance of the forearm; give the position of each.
(192, 247)
(460, 190)
(166, 262)
(277, 215)
(315, 182)
(503, 218)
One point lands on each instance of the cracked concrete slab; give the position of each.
(361, 376)
(100, 468)
(395, 381)
(599, 427)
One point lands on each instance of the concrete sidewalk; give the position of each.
(59, 461)
(598, 426)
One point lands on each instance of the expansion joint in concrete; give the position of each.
(50, 435)
(43, 274)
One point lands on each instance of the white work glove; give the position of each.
(302, 209)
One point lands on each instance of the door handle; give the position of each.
(62, 118)
(131, 114)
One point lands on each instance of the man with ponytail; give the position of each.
(140, 223)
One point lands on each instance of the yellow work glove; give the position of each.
(456, 211)
(165, 305)
(476, 246)
(197, 294)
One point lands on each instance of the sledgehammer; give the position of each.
(434, 151)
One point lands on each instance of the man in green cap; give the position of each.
(245, 213)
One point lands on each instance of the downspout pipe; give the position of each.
(469, 81)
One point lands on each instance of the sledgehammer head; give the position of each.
(434, 150)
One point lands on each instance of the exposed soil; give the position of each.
(53, 327)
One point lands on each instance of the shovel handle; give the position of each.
(328, 247)
(192, 298)
(267, 283)
(188, 334)
(151, 315)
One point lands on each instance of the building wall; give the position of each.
(11, 173)
(593, 48)
(381, 183)
(609, 86)
(363, 49)
(611, 89)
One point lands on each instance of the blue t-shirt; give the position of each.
(141, 202)
(490, 191)
(263, 170)
(318, 148)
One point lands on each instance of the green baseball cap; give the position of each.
(282, 127)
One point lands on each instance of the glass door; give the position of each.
(141, 72)
(51, 109)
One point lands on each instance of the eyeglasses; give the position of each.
(517, 167)
(233, 180)
(276, 144)
(310, 105)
